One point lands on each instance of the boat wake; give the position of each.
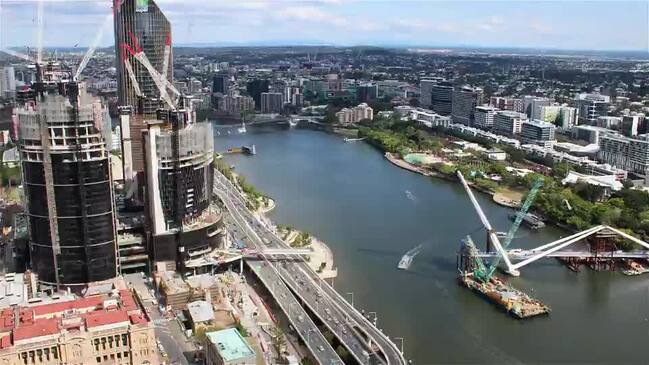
(411, 196)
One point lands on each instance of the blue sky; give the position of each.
(611, 25)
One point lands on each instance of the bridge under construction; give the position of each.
(600, 248)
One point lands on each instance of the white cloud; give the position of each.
(540, 27)
(492, 24)
(447, 27)
(310, 14)
(410, 25)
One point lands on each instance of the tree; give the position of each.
(516, 155)
(590, 192)
(278, 339)
(330, 117)
(307, 361)
(637, 200)
(342, 352)
(560, 171)
(242, 330)
(627, 184)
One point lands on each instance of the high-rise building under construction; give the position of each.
(182, 219)
(67, 184)
(140, 25)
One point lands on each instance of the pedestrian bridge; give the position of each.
(279, 251)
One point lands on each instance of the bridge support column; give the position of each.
(241, 266)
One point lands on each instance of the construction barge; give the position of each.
(513, 301)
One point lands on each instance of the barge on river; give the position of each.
(511, 300)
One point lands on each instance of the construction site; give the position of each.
(600, 248)
(511, 300)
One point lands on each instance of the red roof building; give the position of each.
(95, 329)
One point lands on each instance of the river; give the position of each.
(370, 212)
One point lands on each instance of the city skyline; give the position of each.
(572, 25)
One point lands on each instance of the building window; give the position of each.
(98, 359)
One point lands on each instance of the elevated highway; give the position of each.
(315, 341)
(366, 343)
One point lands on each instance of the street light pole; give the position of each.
(352, 295)
(400, 338)
(376, 317)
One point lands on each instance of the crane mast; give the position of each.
(491, 233)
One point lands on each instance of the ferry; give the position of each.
(406, 260)
(242, 129)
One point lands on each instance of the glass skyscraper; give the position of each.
(140, 24)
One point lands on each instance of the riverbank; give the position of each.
(503, 197)
(321, 260)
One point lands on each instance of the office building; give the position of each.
(549, 113)
(255, 88)
(7, 82)
(506, 103)
(425, 90)
(588, 133)
(195, 86)
(181, 217)
(562, 116)
(227, 347)
(609, 122)
(355, 114)
(236, 105)
(105, 328)
(141, 25)
(425, 117)
(508, 122)
(441, 97)
(591, 106)
(532, 106)
(220, 83)
(392, 88)
(537, 132)
(297, 100)
(465, 100)
(367, 92)
(271, 102)
(67, 184)
(632, 125)
(567, 117)
(630, 154)
(484, 117)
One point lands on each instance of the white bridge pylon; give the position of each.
(543, 250)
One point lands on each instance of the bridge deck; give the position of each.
(523, 255)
